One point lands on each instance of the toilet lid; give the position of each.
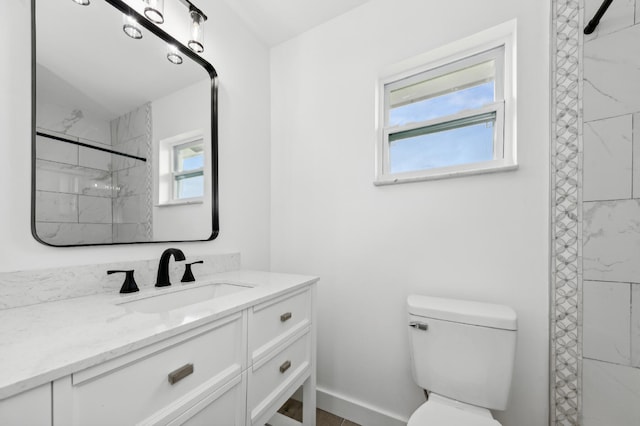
(436, 413)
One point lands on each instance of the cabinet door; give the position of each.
(30, 408)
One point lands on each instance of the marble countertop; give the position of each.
(41, 343)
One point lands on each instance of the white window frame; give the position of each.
(167, 173)
(496, 44)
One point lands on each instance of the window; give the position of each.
(447, 119)
(188, 170)
(181, 169)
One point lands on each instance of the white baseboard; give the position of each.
(356, 411)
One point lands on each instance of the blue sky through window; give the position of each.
(463, 145)
(194, 162)
(191, 187)
(440, 106)
(470, 144)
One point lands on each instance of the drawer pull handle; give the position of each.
(179, 374)
(419, 325)
(286, 316)
(285, 366)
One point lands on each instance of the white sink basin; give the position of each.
(178, 298)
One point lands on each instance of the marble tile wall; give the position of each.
(74, 187)
(72, 121)
(81, 190)
(132, 200)
(21, 288)
(611, 217)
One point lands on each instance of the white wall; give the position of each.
(170, 122)
(479, 237)
(242, 63)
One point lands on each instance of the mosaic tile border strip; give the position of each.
(148, 202)
(566, 233)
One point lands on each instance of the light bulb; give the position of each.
(154, 10)
(131, 27)
(196, 31)
(173, 55)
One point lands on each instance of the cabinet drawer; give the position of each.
(275, 374)
(225, 407)
(277, 320)
(137, 387)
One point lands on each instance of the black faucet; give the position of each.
(163, 267)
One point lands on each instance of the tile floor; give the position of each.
(293, 409)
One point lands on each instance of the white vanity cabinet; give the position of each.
(236, 370)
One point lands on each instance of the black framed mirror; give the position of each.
(124, 129)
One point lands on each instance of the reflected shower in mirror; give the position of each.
(124, 138)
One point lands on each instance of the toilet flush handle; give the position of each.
(419, 325)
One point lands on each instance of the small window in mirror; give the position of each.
(188, 170)
(181, 169)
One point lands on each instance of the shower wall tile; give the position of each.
(635, 325)
(129, 126)
(94, 209)
(127, 209)
(54, 150)
(619, 15)
(94, 158)
(132, 181)
(58, 177)
(56, 207)
(611, 241)
(74, 233)
(610, 394)
(607, 319)
(131, 134)
(607, 159)
(131, 232)
(612, 75)
(138, 147)
(72, 122)
(636, 155)
(50, 132)
(121, 162)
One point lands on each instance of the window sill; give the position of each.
(437, 174)
(181, 202)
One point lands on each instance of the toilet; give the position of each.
(462, 353)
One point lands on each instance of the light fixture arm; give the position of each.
(192, 8)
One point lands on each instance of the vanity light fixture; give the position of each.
(154, 10)
(131, 27)
(196, 30)
(82, 2)
(173, 55)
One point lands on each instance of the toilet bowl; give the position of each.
(441, 411)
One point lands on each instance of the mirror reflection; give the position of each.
(124, 147)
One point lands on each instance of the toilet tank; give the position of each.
(462, 350)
